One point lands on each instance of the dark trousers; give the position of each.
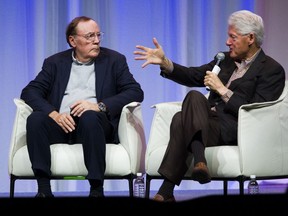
(195, 119)
(92, 130)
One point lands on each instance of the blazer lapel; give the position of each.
(228, 70)
(252, 72)
(64, 69)
(100, 73)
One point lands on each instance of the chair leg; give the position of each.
(12, 185)
(225, 187)
(130, 180)
(241, 186)
(147, 192)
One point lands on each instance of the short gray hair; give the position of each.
(246, 22)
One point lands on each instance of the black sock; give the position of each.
(166, 189)
(96, 185)
(44, 186)
(198, 151)
(43, 181)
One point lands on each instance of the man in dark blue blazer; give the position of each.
(78, 97)
(247, 75)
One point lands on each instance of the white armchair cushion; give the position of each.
(223, 161)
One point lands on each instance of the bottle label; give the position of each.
(139, 188)
(253, 187)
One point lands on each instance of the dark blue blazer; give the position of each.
(115, 85)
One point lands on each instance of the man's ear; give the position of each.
(72, 41)
(251, 37)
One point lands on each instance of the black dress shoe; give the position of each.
(42, 195)
(201, 173)
(96, 194)
(160, 198)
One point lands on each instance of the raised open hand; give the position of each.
(152, 56)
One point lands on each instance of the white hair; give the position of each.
(246, 22)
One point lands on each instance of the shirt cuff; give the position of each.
(226, 97)
(168, 66)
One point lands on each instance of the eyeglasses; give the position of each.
(92, 35)
(235, 37)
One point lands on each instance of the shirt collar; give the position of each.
(81, 63)
(248, 61)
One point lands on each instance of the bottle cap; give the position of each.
(252, 176)
(139, 174)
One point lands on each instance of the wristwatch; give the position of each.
(102, 107)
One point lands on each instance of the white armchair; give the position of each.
(262, 148)
(123, 160)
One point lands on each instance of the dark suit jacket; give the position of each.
(264, 81)
(115, 85)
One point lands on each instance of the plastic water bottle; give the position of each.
(253, 187)
(139, 186)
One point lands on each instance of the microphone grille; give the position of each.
(220, 56)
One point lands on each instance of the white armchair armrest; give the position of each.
(159, 134)
(263, 136)
(132, 136)
(18, 136)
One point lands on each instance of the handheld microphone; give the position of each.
(216, 69)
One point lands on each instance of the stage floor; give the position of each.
(266, 188)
